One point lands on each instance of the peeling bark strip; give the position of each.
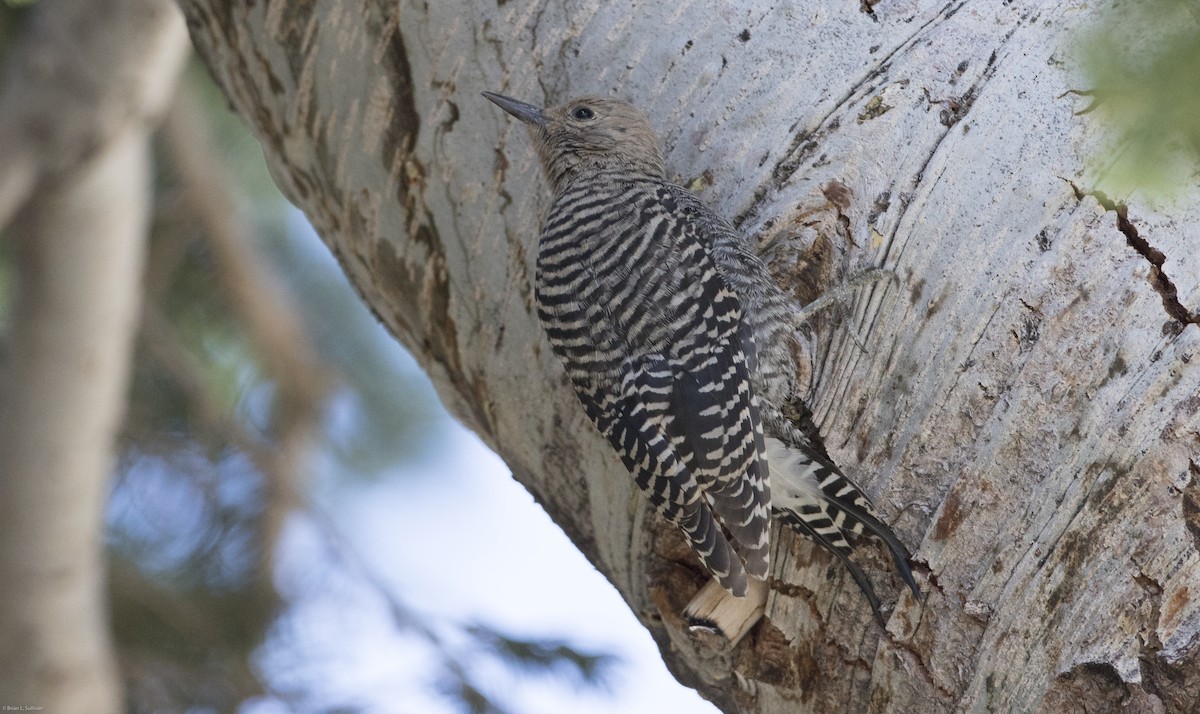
(1016, 413)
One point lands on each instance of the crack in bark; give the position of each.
(914, 655)
(1162, 284)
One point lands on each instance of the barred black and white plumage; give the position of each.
(677, 342)
(652, 339)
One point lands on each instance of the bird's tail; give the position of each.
(716, 554)
(812, 496)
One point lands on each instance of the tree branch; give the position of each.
(83, 89)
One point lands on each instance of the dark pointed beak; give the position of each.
(525, 112)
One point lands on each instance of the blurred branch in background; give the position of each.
(268, 318)
(83, 86)
(258, 376)
(1142, 68)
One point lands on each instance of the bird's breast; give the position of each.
(613, 269)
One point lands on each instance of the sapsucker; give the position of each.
(678, 342)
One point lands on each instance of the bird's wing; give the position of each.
(635, 423)
(712, 419)
(652, 338)
(712, 416)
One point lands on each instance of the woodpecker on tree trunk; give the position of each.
(677, 341)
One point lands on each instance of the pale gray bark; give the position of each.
(74, 179)
(1025, 413)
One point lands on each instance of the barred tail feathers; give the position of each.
(743, 506)
(814, 497)
(797, 522)
(713, 548)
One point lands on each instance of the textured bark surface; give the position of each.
(1026, 411)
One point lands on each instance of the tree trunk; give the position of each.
(75, 174)
(1025, 411)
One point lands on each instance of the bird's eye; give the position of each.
(583, 113)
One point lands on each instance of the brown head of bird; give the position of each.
(588, 134)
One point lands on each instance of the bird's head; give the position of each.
(588, 134)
